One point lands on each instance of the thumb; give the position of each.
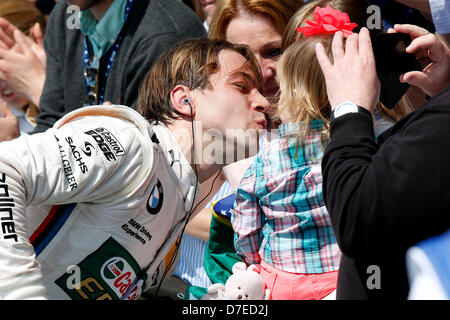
(6, 110)
(417, 79)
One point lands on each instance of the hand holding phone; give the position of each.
(433, 55)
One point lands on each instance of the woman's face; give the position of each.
(259, 33)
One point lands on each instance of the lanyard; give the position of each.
(88, 60)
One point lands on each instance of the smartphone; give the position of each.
(391, 61)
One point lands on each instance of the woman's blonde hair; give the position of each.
(278, 11)
(23, 14)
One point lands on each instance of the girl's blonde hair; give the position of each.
(302, 84)
(356, 10)
(303, 92)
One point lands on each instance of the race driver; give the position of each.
(90, 208)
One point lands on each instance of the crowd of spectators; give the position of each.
(338, 195)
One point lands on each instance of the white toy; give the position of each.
(244, 284)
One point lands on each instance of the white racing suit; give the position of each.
(90, 208)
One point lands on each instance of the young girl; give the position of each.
(280, 220)
(383, 118)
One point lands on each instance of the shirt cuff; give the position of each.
(352, 125)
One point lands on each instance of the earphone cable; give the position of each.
(191, 210)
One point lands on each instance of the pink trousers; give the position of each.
(297, 286)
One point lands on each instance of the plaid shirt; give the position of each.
(279, 214)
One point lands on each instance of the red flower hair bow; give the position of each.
(328, 21)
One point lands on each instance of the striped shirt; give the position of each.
(440, 11)
(279, 214)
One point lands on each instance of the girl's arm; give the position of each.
(247, 220)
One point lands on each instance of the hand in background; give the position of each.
(9, 124)
(37, 43)
(352, 77)
(433, 55)
(21, 71)
(6, 34)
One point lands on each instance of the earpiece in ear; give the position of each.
(186, 101)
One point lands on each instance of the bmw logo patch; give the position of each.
(156, 198)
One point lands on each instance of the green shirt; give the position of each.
(102, 34)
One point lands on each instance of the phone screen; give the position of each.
(392, 60)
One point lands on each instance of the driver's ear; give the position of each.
(181, 100)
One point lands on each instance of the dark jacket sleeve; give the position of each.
(388, 197)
